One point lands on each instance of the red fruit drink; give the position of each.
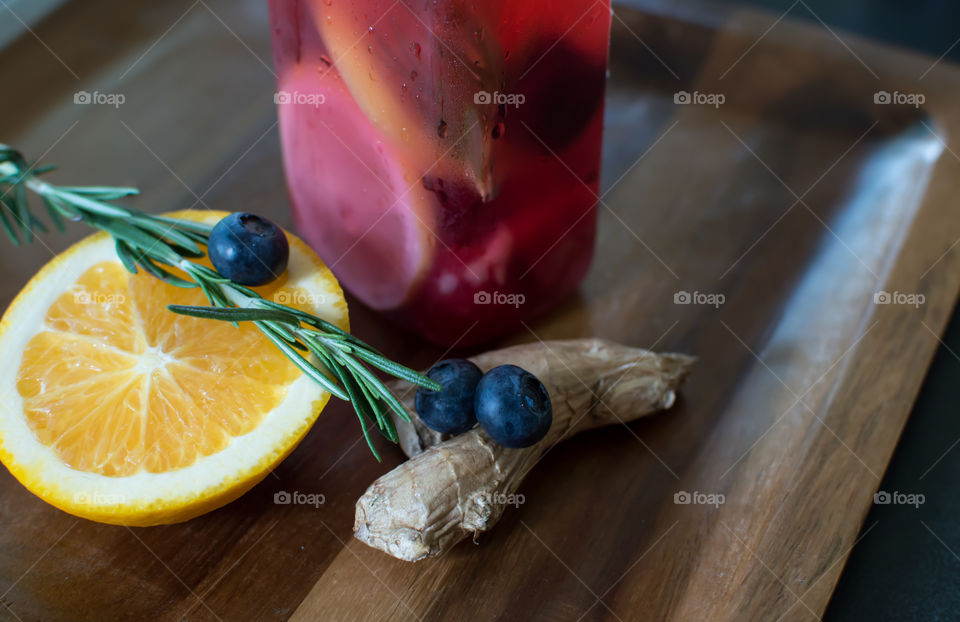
(443, 156)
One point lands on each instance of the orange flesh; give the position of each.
(117, 384)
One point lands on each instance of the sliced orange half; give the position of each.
(115, 409)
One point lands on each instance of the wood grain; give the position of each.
(802, 387)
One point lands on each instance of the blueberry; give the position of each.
(513, 406)
(450, 411)
(248, 250)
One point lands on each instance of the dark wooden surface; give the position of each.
(792, 414)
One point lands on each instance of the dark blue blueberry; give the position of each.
(248, 250)
(513, 406)
(450, 411)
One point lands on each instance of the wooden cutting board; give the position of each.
(790, 206)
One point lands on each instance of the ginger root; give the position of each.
(454, 487)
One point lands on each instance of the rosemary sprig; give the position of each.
(333, 358)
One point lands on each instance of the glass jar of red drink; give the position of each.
(443, 156)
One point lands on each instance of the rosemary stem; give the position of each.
(336, 360)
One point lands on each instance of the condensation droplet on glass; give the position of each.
(497, 131)
(369, 49)
(403, 87)
(413, 75)
(442, 129)
(415, 49)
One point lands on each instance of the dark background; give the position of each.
(901, 570)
